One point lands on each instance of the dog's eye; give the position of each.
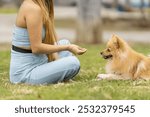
(108, 50)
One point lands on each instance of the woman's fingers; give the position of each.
(81, 51)
(77, 50)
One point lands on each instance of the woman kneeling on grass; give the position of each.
(34, 44)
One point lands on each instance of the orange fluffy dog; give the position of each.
(124, 62)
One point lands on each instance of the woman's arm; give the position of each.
(33, 18)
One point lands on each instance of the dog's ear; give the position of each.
(114, 35)
(116, 41)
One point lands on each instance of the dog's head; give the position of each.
(114, 45)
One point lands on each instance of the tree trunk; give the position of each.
(144, 20)
(128, 3)
(1, 2)
(127, 6)
(116, 3)
(89, 21)
(149, 13)
(18, 2)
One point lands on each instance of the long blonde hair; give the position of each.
(47, 7)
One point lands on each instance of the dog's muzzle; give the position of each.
(107, 57)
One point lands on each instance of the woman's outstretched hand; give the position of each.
(77, 50)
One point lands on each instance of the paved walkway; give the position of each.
(7, 22)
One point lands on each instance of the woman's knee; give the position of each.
(73, 67)
(74, 63)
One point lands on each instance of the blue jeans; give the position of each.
(35, 69)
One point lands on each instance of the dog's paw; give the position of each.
(102, 76)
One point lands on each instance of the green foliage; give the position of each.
(84, 87)
(8, 11)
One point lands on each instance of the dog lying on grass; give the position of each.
(123, 62)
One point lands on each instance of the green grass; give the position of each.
(85, 85)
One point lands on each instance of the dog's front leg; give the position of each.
(109, 77)
(136, 76)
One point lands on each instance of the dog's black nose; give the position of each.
(101, 53)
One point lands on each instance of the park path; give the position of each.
(7, 22)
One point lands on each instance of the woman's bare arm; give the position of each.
(33, 18)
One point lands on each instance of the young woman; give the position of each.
(36, 56)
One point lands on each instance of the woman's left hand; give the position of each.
(77, 50)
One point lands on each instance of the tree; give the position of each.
(116, 3)
(144, 20)
(128, 3)
(149, 7)
(89, 21)
(1, 2)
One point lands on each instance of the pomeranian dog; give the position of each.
(123, 62)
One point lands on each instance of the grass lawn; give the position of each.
(85, 85)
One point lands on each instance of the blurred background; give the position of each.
(88, 21)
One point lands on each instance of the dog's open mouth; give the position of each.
(108, 57)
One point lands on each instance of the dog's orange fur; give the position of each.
(124, 61)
